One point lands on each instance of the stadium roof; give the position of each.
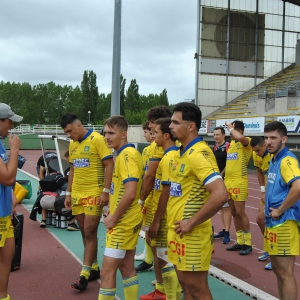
(296, 2)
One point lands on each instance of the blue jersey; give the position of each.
(5, 191)
(283, 171)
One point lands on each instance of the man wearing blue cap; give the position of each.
(8, 171)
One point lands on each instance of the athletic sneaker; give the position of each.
(220, 234)
(43, 224)
(234, 247)
(140, 256)
(268, 266)
(226, 239)
(142, 267)
(154, 295)
(94, 274)
(264, 256)
(80, 284)
(73, 227)
(246, 249)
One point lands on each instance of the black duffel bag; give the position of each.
(52, 182)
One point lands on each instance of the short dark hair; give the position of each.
(165, 126)
(157, 112)
(68, 119)
(239, 125)
(220, 128)
(276, 126)
(120, 121)
(145, 126)
(190, 112)
(257, 141)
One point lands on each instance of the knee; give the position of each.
(260, 221)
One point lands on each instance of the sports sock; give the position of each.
(86, 270)
(171, 282)
(95, 265)
(131, 287)
(149, 254)
(240, 237)
(160, 287)
(248, 238)
(5, 298)
(107, 294)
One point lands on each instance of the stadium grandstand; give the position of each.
(248, 64)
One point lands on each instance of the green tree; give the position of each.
(90, 94)
(122, 95)
(132, 97)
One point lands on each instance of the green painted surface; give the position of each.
(73, 242)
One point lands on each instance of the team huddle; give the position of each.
(172, 191)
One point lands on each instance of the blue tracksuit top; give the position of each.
(277, 189)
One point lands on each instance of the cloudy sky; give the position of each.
(56, 40)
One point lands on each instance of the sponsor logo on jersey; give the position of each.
(232, 156)
(81, 163)
(234, 191)
(182, 168)
(157, 184)
(86, 148)
(175, 189)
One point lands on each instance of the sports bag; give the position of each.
(52, 182)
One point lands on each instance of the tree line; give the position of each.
(46, 103)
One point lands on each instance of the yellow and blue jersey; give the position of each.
(192, 169)
(128, 167)
(87, 156)
(237, 160)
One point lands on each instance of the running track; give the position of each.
(246, 268)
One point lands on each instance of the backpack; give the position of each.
(52, 182)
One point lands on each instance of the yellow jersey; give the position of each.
(87, 156)
(193, 168)
(237, 160)
(162, 176)
(128, 167)
(262, 162)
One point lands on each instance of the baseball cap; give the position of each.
(7, 113)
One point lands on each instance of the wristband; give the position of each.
(230, 129)
(263, 189)
(68, 193)
(141, 202)
(105, 190)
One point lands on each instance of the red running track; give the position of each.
(246, 268)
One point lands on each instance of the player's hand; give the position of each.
(182, 227)
(68, 202)
(14, 142)
(103, 199)
(153, 229)
(109, 221)
(275, 213)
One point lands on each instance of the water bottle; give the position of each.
(53, 218)
(57, 221)
(49, 217)
(63, 222)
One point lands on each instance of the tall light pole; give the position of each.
(116, 63)
(89, 112)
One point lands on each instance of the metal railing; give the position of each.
(48, 129)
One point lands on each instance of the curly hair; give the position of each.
(157, 112)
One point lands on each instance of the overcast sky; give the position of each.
(56, 40)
